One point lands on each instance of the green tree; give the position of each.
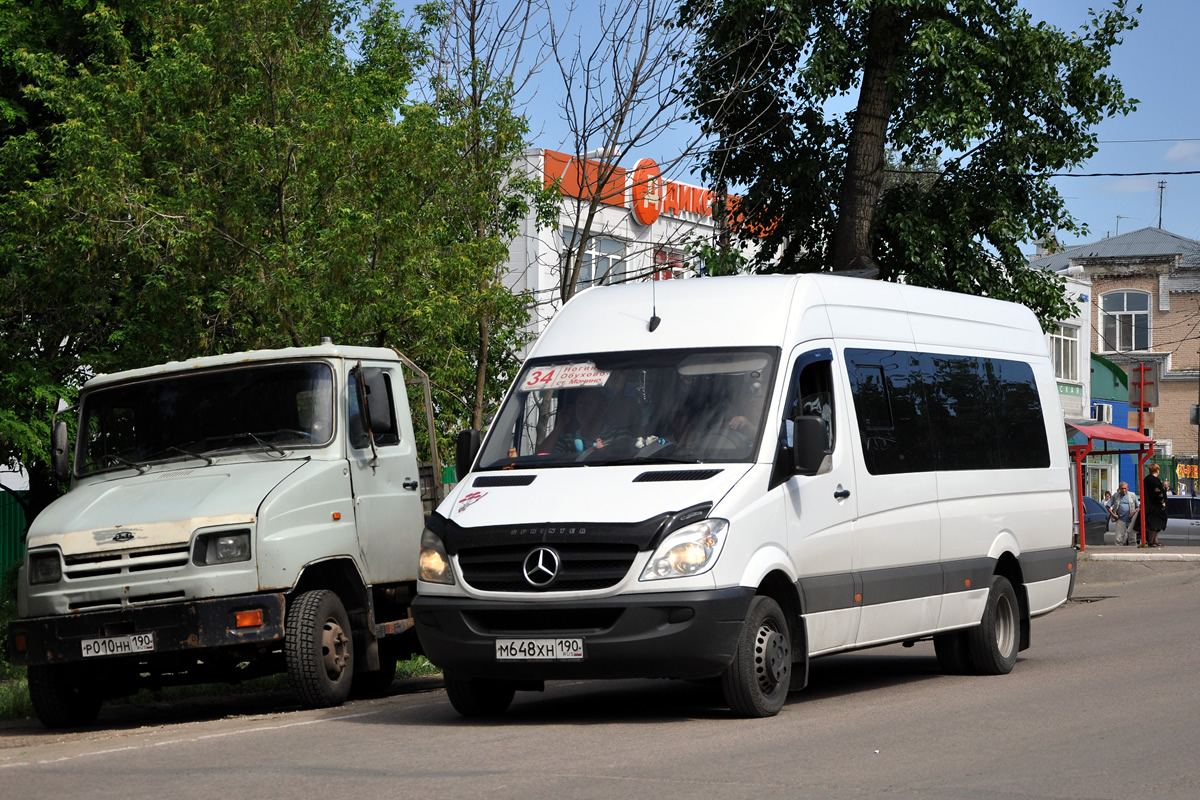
(997, 101)
(233, 174)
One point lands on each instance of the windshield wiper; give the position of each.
(264, 444)
(210, 461)
(125, 462)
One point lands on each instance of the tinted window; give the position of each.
(1179, 508)
(925, 411)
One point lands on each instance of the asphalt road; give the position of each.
(1102, 706)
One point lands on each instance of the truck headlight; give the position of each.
(221, 547)
(691, 550)
(434, 563)
(44, 566)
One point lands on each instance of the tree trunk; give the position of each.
(865, 157)
(481, 373)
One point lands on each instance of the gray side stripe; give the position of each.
(834, 592)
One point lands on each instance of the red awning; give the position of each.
(1108, 433)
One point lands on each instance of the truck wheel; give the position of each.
(318, 649)
(61, 695)
(756, 683)
(375, 684)
(952, 655)
(479, 697)
(993, 645)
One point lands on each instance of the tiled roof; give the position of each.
(1143, 242)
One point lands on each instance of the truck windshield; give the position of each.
(658, 406)
(256, 407)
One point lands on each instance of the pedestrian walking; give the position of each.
(1156, 505)
(1124, 507)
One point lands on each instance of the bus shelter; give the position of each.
(1085, 438)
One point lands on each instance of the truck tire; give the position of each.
(61, 695)
(377, 683)
(992, 647)
(479, 697)
(756, 682)
(952, 654)
(318, 649)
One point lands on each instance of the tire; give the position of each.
(318, 649)
(61, 695)
(756, 682)
(952, 653)
(992, 647)
(375, 684)
(479, 697)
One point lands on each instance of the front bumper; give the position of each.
(188, 625)
(660, 635)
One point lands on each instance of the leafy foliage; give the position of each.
(975, 87)
(181, 179)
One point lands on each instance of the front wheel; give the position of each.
(479, 697)
(61, 695)
(756, 682)
(993, 645)
(318, 649)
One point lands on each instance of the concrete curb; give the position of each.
(1140, 555)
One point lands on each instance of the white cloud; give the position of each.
(1186, 153)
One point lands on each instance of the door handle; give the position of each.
(410, 484)
(841, 494)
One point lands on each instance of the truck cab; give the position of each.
(228, 517)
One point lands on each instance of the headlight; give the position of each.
(44, 567)
(434, 564)
(221, 547)
(688, 551)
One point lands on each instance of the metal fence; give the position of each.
(12, 529)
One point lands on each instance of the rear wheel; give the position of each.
(993, 645)
(756, 682)
(319, 649)
(952, 654)
(479, 697)
(61, 695)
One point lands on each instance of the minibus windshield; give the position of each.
(656, 406)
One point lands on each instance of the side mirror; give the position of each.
(373, 399)
(465, 450)
(810, 445)
(59, 455)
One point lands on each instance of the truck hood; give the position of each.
(586, 494)
(158, 508)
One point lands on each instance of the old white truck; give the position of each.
(229, 517)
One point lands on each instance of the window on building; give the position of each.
(1125, 321)
(603, 260)
(1064, 349)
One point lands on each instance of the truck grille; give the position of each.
(584, 567)
(91, 565)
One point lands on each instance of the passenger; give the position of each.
(1124, 507)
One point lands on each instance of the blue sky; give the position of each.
(1157, 64)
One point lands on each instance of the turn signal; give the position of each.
(249, 619)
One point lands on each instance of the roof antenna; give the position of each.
(654, 320)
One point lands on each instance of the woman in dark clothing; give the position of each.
(1154, 505)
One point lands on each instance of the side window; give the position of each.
(1179, 508)
(814, 396)
(382, 406)
(890, 404)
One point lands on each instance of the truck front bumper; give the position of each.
(188, 625)
(660, 635)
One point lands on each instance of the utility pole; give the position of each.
(1161, 186)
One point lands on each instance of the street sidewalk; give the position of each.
(1113, 564)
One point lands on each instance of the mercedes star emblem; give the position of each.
(541, 567)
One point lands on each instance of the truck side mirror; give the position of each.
(373, 399)
(810, 444)
(465, 450)
(59, 456)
